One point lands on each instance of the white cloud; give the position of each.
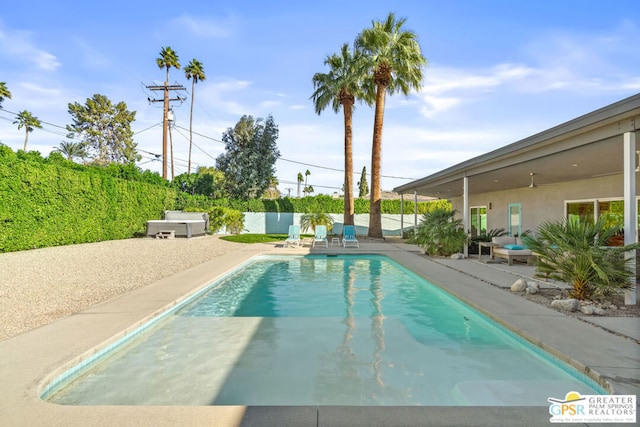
(18, 45)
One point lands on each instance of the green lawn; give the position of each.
(257, 238)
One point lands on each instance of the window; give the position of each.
(585, 211)
(515, 220)
(478, 221)
(613, 212)
(589, 210)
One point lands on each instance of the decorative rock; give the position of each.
(587, 309)
(533, 285)
(532, 290)
(599, 311)
(457, 256)
(570, 304)
(519, 286)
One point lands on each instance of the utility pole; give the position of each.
(165, 122)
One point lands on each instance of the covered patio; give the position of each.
(590, 159)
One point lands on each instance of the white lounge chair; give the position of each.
(294, 236)
(349, 236)
(320, 236)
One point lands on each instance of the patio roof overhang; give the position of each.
(587, 147)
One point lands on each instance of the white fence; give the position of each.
(279, 222)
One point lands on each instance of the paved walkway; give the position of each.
(31, 360)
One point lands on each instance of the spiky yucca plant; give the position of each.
(575, 252)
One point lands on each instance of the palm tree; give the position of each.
(71, 150)
(576, 252)
(300, 179)
(4, 92)
(310, 220)
(29, 122)
(342, 86)
(168, 58)
(272, 191)
(194, 71)
(395, 65)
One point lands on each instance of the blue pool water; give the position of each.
(318, 330)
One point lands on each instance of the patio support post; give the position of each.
(415, 212)
(401, 215)
(465, 214)
(630, 210)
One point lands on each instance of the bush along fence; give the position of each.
(53, 201)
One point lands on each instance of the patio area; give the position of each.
(607, 348)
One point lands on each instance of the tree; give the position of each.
(168, 59)
(300, 180)
(342, 86)
(395, 64)
(575, 251)
(104, 129)
(4, 92)
(272, 191)
(307, 188)
(29, 122)
(363, 186)
(194, 71)
(71, 150)
(440, 233)
(250, 155)
(310, 220)
(207, 181)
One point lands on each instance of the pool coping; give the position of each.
(29, 360)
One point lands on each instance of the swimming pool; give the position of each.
(321, 330)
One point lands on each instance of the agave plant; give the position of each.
(576, 252)
(440, 233)
(310, 220)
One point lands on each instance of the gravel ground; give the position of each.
(42, 285)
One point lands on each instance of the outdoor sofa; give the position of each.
(178, 223)
(511, 248)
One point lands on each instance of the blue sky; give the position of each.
(498, 71)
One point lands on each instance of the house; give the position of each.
(584, 167)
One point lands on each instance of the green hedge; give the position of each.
(48, 202)
(52, 201)
(324, 204)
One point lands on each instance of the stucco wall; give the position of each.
(543, 203)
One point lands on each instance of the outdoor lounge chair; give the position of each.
(349, 236)
(321, 236)
(294, 236)
(511, 248)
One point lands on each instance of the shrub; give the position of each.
(439, 233)
(310, 220)
(575, 252)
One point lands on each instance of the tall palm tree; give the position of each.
(300, 179)
(71, 150)
(29, 122)
(395, 65)
(194, 71)
(168, 59)
(4, 92)
(342, 86)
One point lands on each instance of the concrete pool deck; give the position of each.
(29, 360)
